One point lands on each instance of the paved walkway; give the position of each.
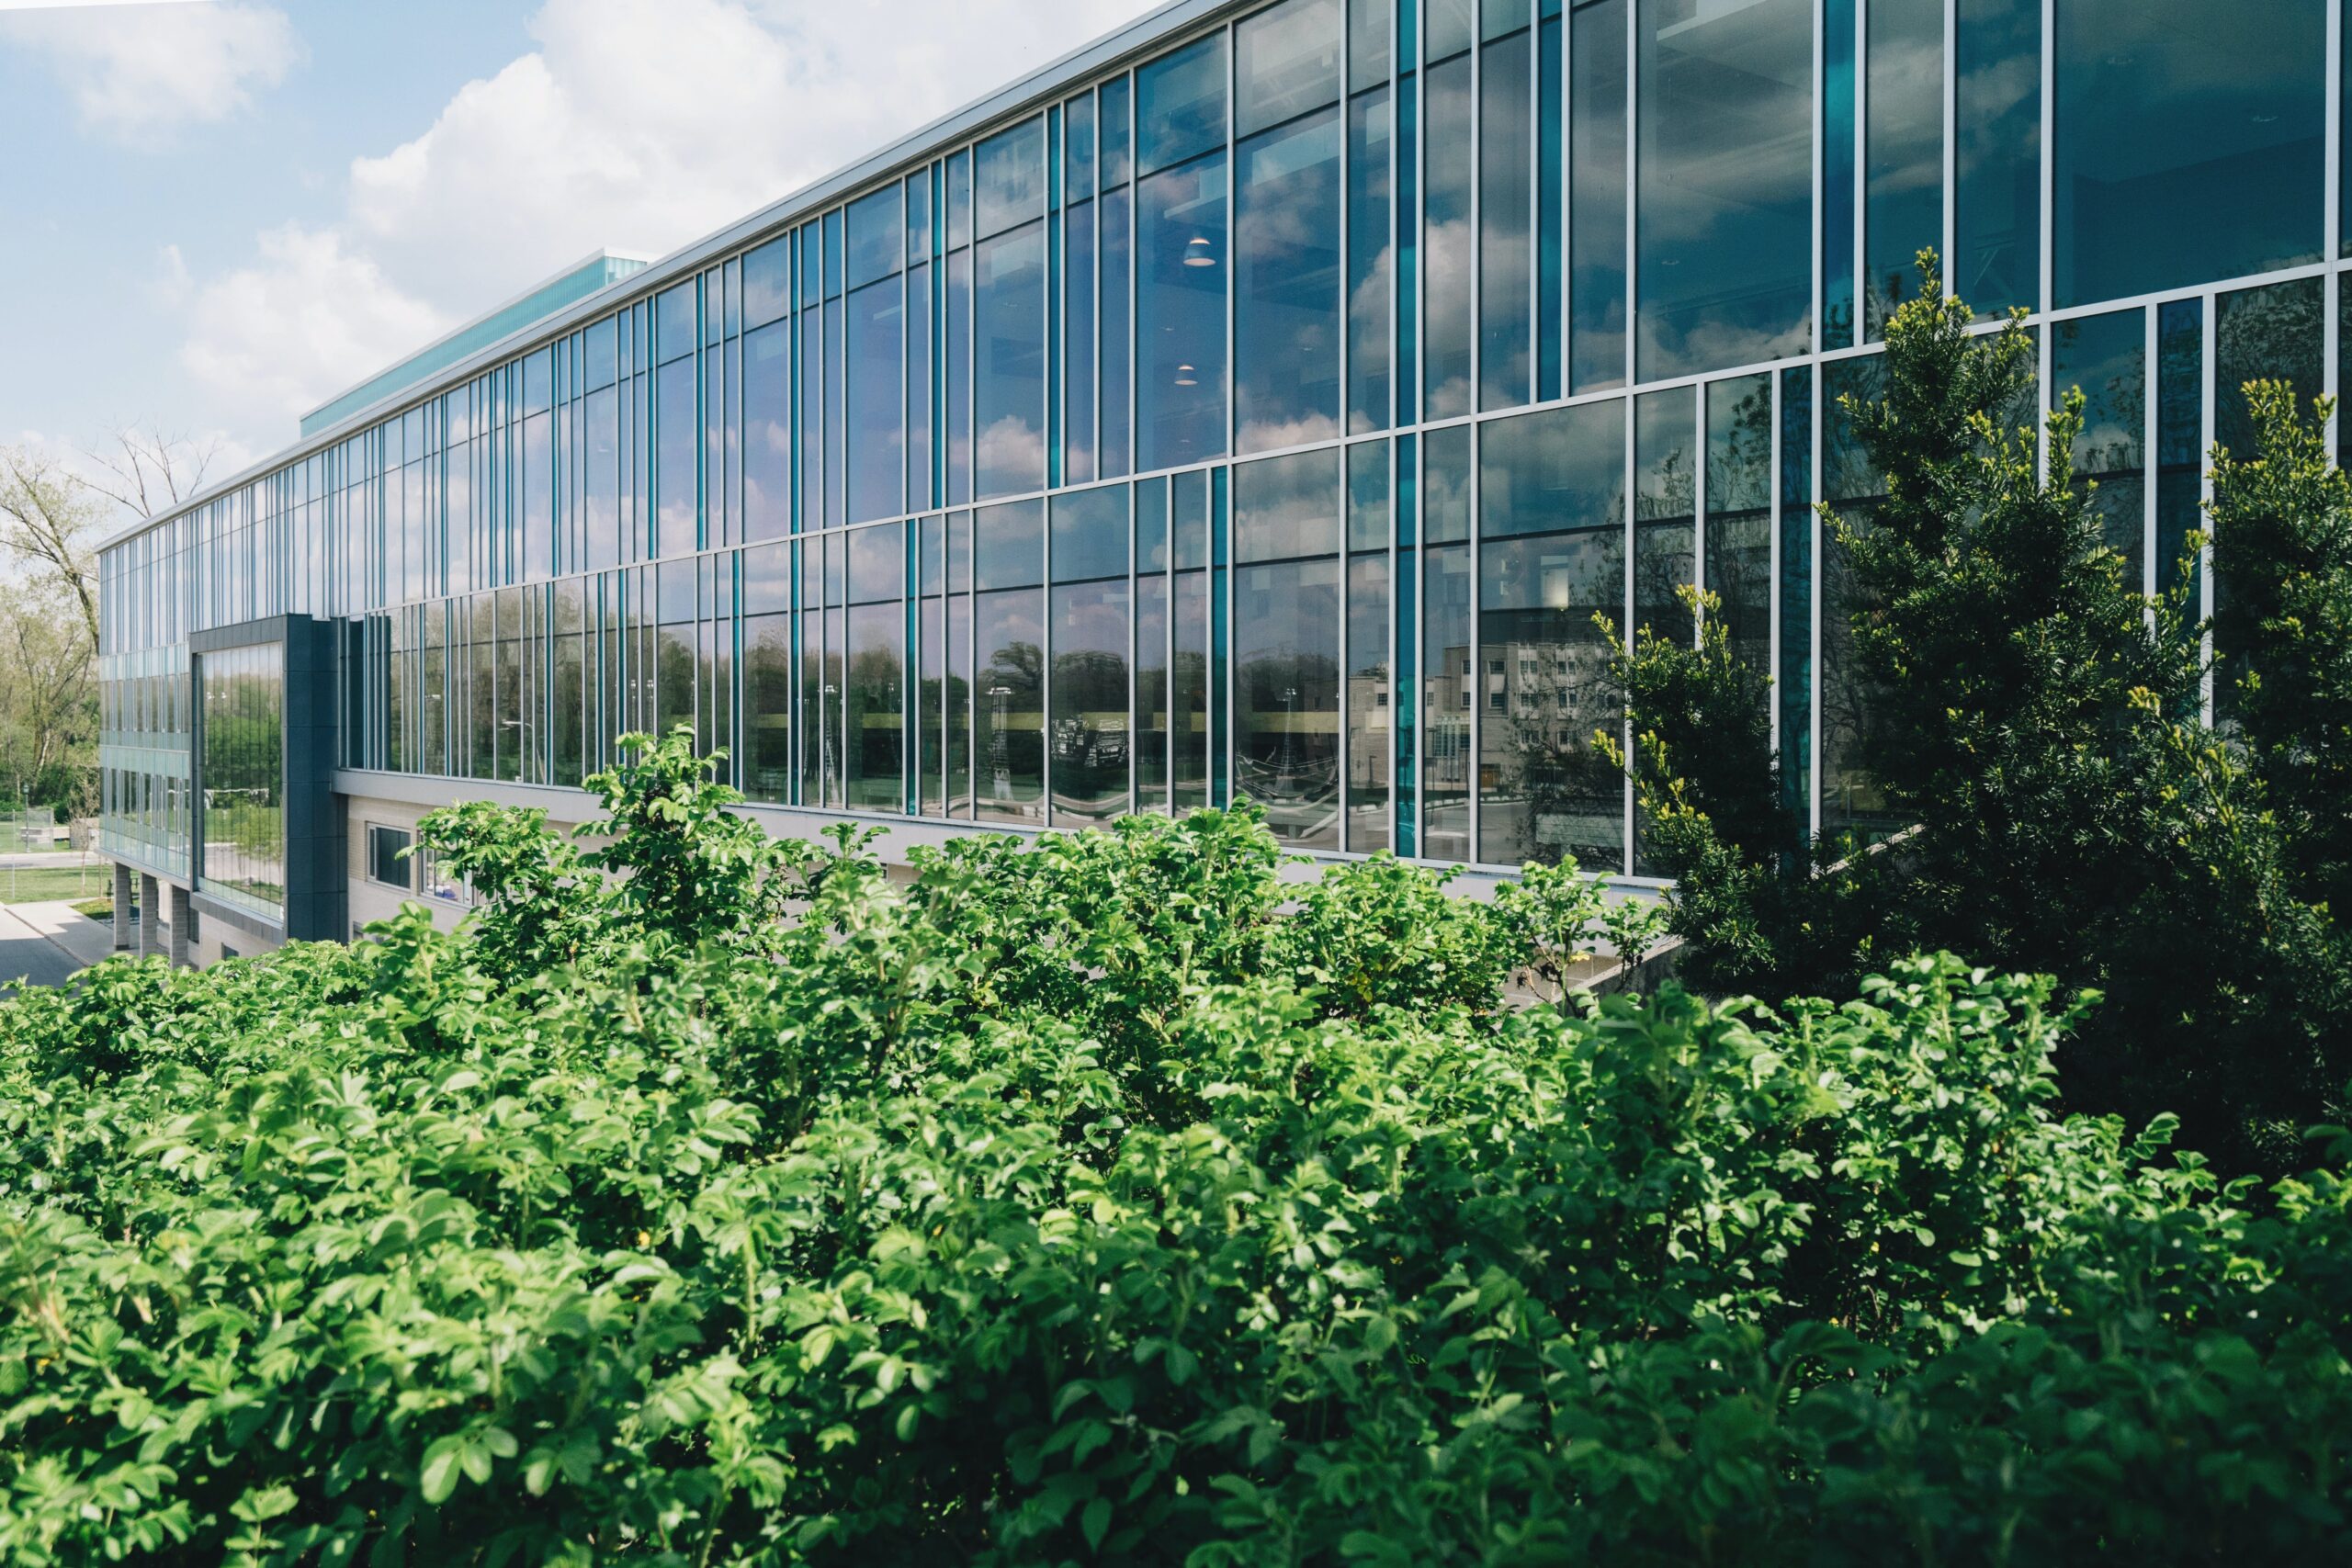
(50, 944)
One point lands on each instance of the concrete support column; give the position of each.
(121, 907)
(150, 901)
(179, 926)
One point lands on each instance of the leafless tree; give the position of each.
(147, 472)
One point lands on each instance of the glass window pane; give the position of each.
(1368, 704)
(1286, 507)
(1008, 635)
(1117, 158)
(873, 714)
(1180, 104)
(1905, 145)
(2276, 333)
(1997, 194)
(1506, 174)
(1089, 529)
(1286, 285)
(678, 444)
(1078, 344)
(1369, 240)
(1447, 254)
(1009, 546)
(1009, 349)
(1090, 699)
(1077, 146)
(1368, 35)
(1446, 715)
(673, 322)
(1009, 178)
(1739, 514)
(1286, 680)
(875, 234)
(1596, 196)
(2167, 108)
(2180, 439)
(1286, 62)
(876, 433)
(1181, 329)
(1561, 469)
(1726, 185)
(768, 433)
(2106, 357)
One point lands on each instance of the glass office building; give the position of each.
(1258, 405)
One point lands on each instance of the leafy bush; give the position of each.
(1076, 1202)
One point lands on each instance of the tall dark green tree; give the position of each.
(2031, 721)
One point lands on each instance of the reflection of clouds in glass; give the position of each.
(1448, 265)
(1012, 446)
(1270, 434)
(1716, 344)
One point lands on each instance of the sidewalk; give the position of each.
(48, 943)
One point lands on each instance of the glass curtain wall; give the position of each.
(1270, 419)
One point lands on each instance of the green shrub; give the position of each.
(1075, 1202)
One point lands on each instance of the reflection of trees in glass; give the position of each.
(243, 766)
(1549, 791)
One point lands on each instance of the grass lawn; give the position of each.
(96, 909)
(41, 884)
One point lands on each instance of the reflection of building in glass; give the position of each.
(1261, 404)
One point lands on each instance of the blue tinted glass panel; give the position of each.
(1561, 469)
(2167, 108)
(1008, 718)
(876, 435)
(600, 343)
(2180, 442)
(1793, 680)
(1904, 188)
(1286, 62)
(1506, 173)
(1597, 197)
(677, 441)
(919, 386)
(1117, 342)
(1997, 194)
(1078, 344)
(918, 189)
(1180, 104)
(1286, 285)
(673, 322)
(1839, 155)
(1286, 507)
(1090, 534)
(1009, 363)
(1739, 514)
(1550, 259)
(1008, 545)
(767, 432)
(1726, 185)
(1180, 280)
(1009, 178)
(1118, 159)
(1090, 733)
(1368, 34)
(1370, 238)
(1077, 148)
(1448, 246)
(2105, 357)
(875, 234)
(1286, 696)
(2278, 333)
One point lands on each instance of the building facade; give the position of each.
(1259, 403)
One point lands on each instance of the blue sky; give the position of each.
(222, 212)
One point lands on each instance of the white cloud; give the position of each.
(308, 317)
(638, 124)
(648, 123)
(137, 73)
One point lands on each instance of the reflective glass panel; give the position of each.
(1996, 194)
(1180, 104)
(2169, 108)
(1904, 143)
(1596, 196)
(1726, 184)
(1180, 328)
(1286, 285)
